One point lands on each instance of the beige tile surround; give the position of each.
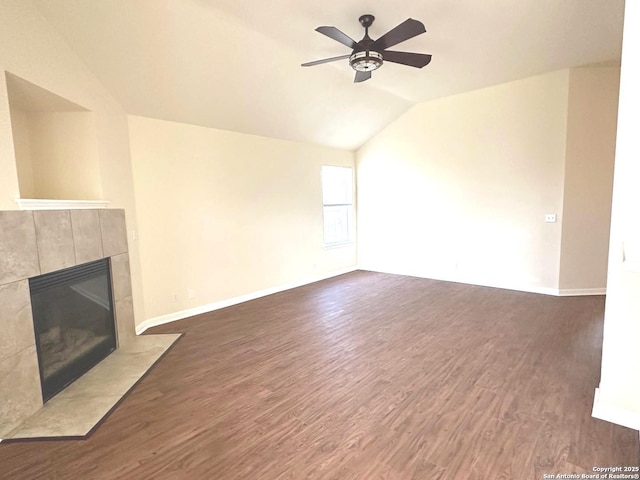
(37, 242)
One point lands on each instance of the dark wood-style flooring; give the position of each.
(364, 376)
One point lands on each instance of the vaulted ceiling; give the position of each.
(235, 64)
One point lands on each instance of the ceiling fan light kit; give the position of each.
(368, 55)
(365, 61)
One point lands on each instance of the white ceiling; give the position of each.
(235, 64)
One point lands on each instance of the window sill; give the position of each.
(332, 246)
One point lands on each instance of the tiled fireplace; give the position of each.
(33, 243)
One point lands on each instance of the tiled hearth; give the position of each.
(33, 243)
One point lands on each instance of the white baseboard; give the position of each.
(210, 307)
(505, 286)
(172, 317)
(614, 413)
(469, 281)
(579, 292)
(515, 287)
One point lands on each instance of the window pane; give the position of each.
(337, 185)
(336, 224)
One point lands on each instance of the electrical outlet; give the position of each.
(550, 218)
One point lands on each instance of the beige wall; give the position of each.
(32, 50)
(619, 393)
(9, 189)
(458, 188)
(224, 214)
(22, 148)
(64, 156)
(588, 183)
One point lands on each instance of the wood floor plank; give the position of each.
(363, 376)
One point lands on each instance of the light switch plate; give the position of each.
(550, 217)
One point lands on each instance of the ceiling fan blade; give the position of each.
(417, 60)
(325, 60)
(406, 30)
(337, 35)
(362, 76)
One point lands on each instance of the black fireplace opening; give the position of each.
(73, 321)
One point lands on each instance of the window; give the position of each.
(337, 204)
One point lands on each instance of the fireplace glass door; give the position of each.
(73, 321)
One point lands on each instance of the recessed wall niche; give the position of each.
(55, 143)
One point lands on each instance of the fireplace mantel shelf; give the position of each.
(50, 204)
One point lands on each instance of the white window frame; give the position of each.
(346, 204)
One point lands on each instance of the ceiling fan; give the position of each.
(368, 54)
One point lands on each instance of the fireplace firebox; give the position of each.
(73, 322)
